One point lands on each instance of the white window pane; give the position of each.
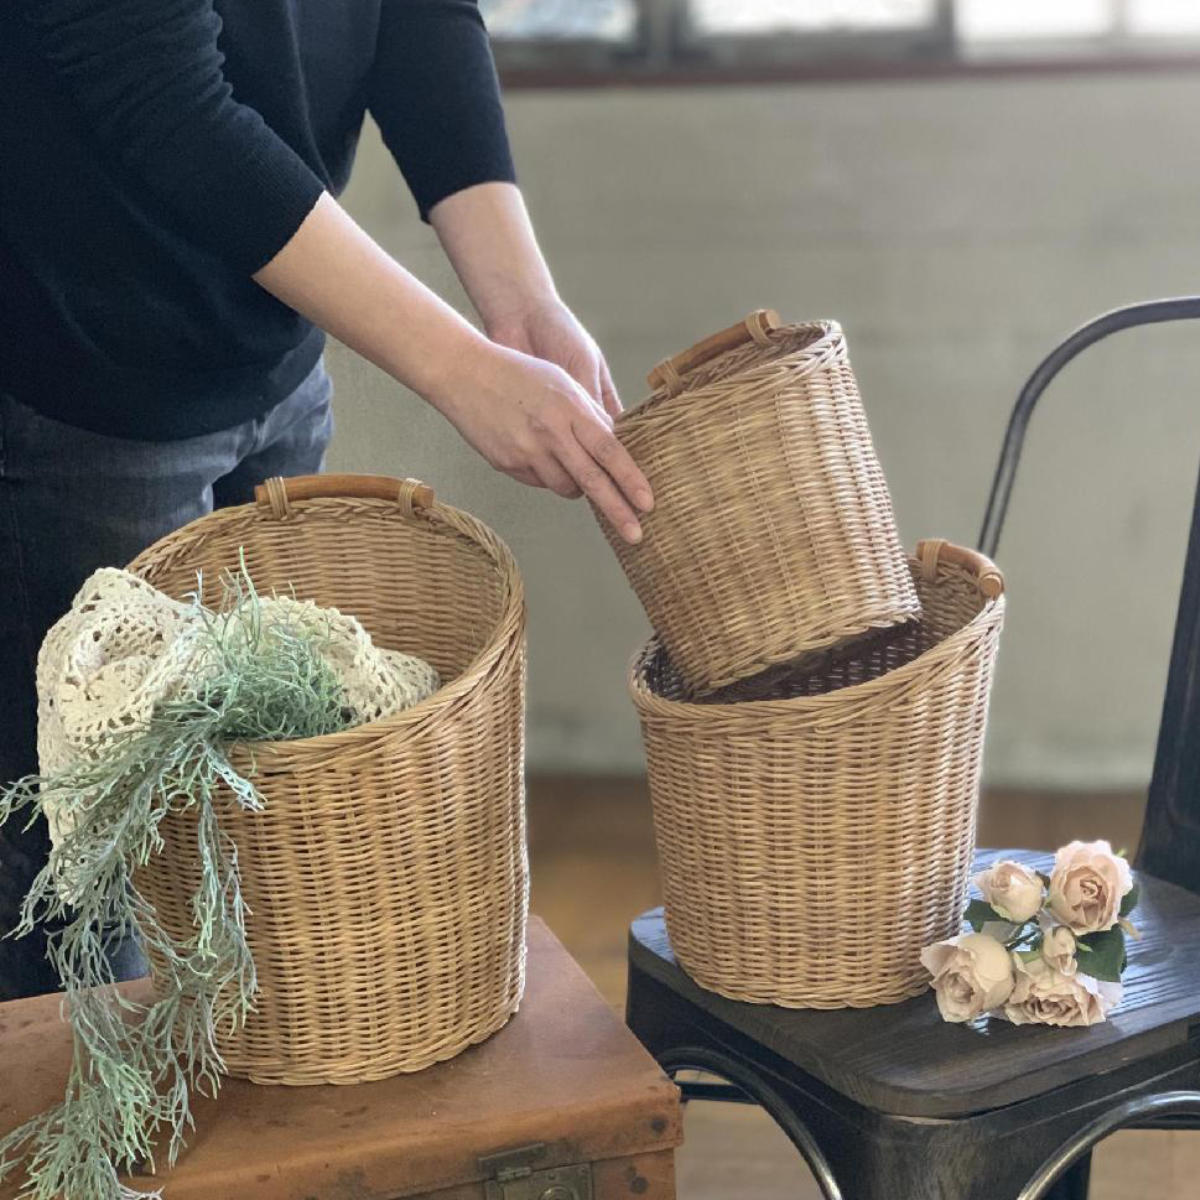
(604, 20)
(769, 16)
(1160, 17)
(982, 20)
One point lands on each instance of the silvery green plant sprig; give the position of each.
(1045, 949)
(137, 1064)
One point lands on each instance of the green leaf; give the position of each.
(1130, 899)
(1044, 878)
(979, 913)
(1107, 958)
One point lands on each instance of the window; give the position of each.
(1082, 22)
(985, 20)
(786, 16)
(742, 32)
(583, 37)
(561, 20)
(574, 39)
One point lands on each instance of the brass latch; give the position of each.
(513, 1176)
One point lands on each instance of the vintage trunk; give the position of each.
(562, 1104)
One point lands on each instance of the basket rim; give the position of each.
(446, 521)
(649, 702)
(831, 335)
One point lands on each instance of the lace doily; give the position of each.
(124, 647)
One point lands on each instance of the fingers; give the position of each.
(608, 393)
(526, 476)
(563, 440)
(546, 473)
(601, 491)
(585, 370)
(553, 476)
(594, 385)
(602, 469)
(603, 447)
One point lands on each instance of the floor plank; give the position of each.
(594, 868)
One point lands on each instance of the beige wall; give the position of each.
(957, 229)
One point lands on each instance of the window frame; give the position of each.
(664, 51)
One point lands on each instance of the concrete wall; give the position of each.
(957, 229)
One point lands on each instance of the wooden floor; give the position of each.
(592, 853)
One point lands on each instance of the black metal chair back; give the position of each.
(1170, 843)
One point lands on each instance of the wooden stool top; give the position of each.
(564, 1075)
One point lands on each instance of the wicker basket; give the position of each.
(387, 875)
(772, 533)
(815, 837)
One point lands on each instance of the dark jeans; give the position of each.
(73, 501)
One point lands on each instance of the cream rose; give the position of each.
(1058, 950)
(1014, 891)
(1043, 996)
(1087, 885)
(972, 974)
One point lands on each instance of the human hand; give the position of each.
(530, 419)
(527, 417)
(550, 330)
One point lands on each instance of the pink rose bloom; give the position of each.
(1087, 885)
(972, 974)
(1043, 996)
(1013, 890)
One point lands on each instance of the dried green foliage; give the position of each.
(135, 1065)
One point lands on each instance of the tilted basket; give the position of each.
(815, 838)
(772, 533)
(387, 874)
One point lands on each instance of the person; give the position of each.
(172, 254)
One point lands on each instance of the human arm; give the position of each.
(489, 239)
(527, 417)
(434, 92)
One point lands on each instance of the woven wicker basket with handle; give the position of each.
(387, 875)
(815, 830)
(772, 533)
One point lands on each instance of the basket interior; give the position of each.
(948, 603)
(784, 341)
(414, 585)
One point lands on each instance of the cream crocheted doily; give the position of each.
(125, 647)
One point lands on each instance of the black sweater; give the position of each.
(155, 153)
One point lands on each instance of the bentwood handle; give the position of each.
(277, 493)
(988, 577)
(755, 328)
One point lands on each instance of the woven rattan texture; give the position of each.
(773, 533)
(812, 843)
(387, 876)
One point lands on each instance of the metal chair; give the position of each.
(892, 1102)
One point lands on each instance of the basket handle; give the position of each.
(277, 493)
(755, 328)
(988, 577)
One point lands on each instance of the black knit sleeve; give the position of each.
(147, 78)
(434, 93)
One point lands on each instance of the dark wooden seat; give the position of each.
(905, 1060)
(892, 1103)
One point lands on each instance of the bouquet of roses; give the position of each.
(1045, 950)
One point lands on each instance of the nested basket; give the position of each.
(772, 533)
(387, 875)
(814, 837)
